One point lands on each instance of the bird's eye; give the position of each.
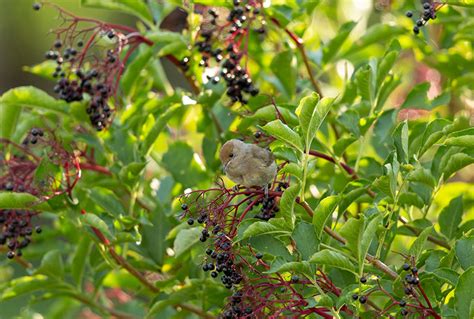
(231, 155)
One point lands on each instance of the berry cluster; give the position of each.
(269, 204)
(429, 13)
(233, 33)
(19, 173)
(89, 62)
(16, 230)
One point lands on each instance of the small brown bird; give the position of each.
(248, 164)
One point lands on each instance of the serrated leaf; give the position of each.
(97, 222)
(302, 267)
(185, 239)
(31, 97)
(367, 236)
(432, 134)
(450, 217)
(463, 141)
(421, 175)
(294, 170)
(312, 113)
(465, 252)
(352, 232)
(322, 213)
(306, 240)
(400, 139)
(447, 275)
(464, 295)
(331, 258)
(12, 200)
(419, 243)
(284, 133)
(263, 228)
(287, 204)
(454, 163)
(363, 78)
(342, 144)
(9, 115)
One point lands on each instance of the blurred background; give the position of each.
(24, 37)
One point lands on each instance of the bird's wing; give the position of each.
(264, 155)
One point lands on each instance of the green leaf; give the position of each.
(461, 3)
(26, 285)
(447, 275)
(11, 200)
(418, 97)
(185, 239)
(136, 8)
(322, 213)
(454, 163)
(284, 133)
(367, 236)
(107, 199)
(79, 260)
(154, 236)
(331, 258)
(52, 265)
(364, 80)
(333, 46)
(263, 228)
(95, 221)
(352, 232)
(385, 65)
(159, 125)
(31, 97)
(378, 33)
(9, 115)
(342, 144)
(132, 72)
(312, 113)
(417, 246)
(294, 170)
(463, 141)
(450, 217)
(421, 175)
(179, 161)
(284, 67)
(301, 267)
(432, 134)
(400, 139)
(287, 204)
(306, 240)
(465, 252)
(464, 295)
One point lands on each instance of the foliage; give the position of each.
(370, 215)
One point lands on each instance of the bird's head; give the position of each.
(230, 150)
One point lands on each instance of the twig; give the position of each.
(299, 44)
(121, 261)
(415, 231)
(19, 260)
(195, 310)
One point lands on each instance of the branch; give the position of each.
(121, 261)
(299, 44)
(371, 259)
(328, 158)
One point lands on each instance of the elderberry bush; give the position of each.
(114, 198)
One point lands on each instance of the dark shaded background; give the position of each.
(24, 37)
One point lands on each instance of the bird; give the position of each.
(248, 164)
